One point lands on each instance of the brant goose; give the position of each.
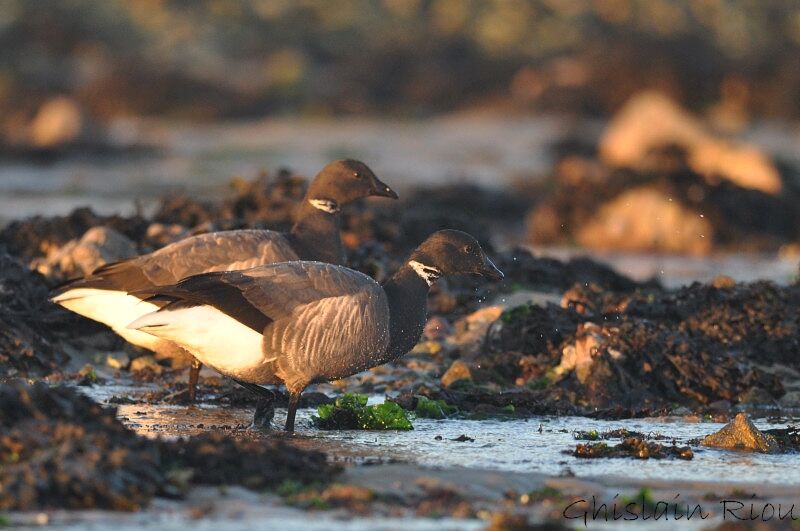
(299, 323)
(103, 295)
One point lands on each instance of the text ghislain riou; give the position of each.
(641, 508)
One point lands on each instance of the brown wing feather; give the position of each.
(216, 251)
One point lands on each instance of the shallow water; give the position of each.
(518, 446)
(509, 445)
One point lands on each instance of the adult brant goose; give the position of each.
(104, 295)
(299, 323)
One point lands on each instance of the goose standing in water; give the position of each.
(299, 323)
(104, 295)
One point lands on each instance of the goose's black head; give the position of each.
(345, 181)
(452, 252)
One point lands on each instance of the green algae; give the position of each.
(433, 409)
(351, 412)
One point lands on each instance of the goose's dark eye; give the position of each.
(468, 249)
(357, 175)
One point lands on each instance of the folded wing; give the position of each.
(264, 294)
(216, 251)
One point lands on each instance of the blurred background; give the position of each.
(622, 126)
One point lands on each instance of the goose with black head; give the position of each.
(298, 323)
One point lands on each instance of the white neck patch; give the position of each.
(326, 205)
(427, 273)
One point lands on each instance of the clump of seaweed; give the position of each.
(216, 459)
(60, 449)
(433, 409)
(788, 438)
(351, 412)
(633, 447)
(619, 433)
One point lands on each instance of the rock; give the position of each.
(98, 246)
(458, 371)
(579, 356)
(741, 434)
(118, 360)
(670, 208)
(59, 122)
(647, 219)
(145, 363)
(162, 234)
(437, 328)
(39, 236)
(631, 139)
(741, 164)
(470, 331)
(429, 348)
(631, 135)
(723, 282)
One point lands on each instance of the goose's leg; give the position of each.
(194, 375)
(294, 401)
(265, 408)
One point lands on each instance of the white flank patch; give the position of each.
(115, 309)
(427, 273)
(216, 339)
(326, 205)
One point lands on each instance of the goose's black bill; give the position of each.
(381, 189)
(489, 270)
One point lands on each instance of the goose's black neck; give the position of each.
(315, 234)
(407, 294)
